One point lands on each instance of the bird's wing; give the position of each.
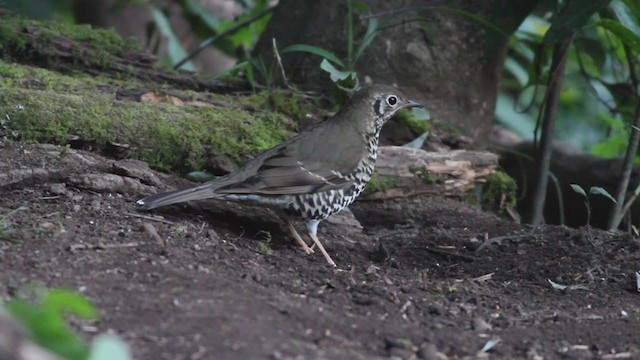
(299, 168)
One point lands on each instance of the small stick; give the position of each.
(115, 246)
(49, 197)
(76, 247)
(498, 239)
(150, 218)
(154, 234)
(212, 40)
(279, 59)
(466, 258)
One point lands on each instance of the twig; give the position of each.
(151, 230)
(499, 239)
(627, 166)
(54, 197)
(210, 41)
(115, 246)
(587, 76)
(276, 54)
(548, 120)
(150, 218)
(484, 277)
(75, 247)
(396, 11)
(466, 258)
(630, 201)
(50, 214)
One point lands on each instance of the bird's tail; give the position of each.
(201, 192)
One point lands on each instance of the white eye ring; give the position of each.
(392, 100)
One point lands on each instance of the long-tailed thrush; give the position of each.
(312, 175)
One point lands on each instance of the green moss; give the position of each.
(27, 37)
(263, 246)
(501, 190)
(380, 183)
(422, 173)
(288, 103)
(414, 124)
(174, 137)
(22, 76)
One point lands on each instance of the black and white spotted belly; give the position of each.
(321, 205)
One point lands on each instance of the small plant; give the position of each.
(6, 227)
(380, 183)
(342, 73)
(499, 193)
(251, 68)
(44, 316)
(264, 245)
(587, 198)
(235, 37)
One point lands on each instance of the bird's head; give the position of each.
(379, 103)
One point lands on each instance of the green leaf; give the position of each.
(372, 30)
(418, 142)
(517, 70)
(335, 74)
(572, 17)
(239, 66)
(46, 322)
(474, 17)
(200, 176)
(601, 191)
(109, 347)
(421, 113)
(64, 300)
(625, 35)
(208, 18)
(578, 189)
(175, 49)
(634, 7)
(628, 13)
(507, 115)
(361, 6)
(489, 345)
(508, 18)
(350, 60)
(557, 286)
(313, 50)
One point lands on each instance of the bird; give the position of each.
(314, 174)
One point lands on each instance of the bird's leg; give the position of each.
(297, 237)
(312, 227)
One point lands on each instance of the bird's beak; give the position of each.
(411, 103)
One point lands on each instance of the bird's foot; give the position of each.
(298, 238)
(306, 248)
(322, 250)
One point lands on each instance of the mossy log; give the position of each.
(404, 171)
(90, 89)
(83, 49)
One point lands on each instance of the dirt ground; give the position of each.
(220, 281)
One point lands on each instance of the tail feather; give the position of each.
(201, 192)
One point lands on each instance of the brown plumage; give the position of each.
(312, 175)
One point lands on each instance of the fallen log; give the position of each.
(404, 171)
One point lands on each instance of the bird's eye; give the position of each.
(392, 100)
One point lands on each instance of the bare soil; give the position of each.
(224, 281)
